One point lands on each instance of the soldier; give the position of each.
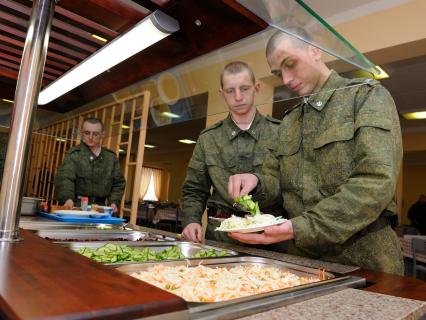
(89, 170)
(336, 164)
(237, 144)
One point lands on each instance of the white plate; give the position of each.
(254, 228)
(74, 213)
(99, 215)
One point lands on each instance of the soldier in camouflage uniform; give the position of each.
(89, 170)
(237, 144)
(336, 164)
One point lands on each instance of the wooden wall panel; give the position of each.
(49, 145)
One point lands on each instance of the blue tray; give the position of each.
(107, 220)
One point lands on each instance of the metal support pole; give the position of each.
(26, 96)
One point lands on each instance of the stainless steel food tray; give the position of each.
(187, 248)
(261, 302)
(100, 235)
(37, 223)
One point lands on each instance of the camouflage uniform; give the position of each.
(84, 174)
(336, 167)
(222, 150)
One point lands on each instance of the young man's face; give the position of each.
(239, 91)
(91, 134)
(296, 66)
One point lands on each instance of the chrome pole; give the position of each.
(26, 96)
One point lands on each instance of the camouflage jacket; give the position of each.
(336, 167)
(84, 174)
(222, 150)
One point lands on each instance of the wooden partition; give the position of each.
(125, 131)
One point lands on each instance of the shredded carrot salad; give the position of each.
(203, 284)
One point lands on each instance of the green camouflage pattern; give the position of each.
(222, 150)
(84, 174)
(336, 168)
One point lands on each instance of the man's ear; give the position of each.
(256, 87)
(315, 53)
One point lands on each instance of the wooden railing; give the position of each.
(125, 124)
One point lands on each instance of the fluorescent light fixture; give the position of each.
(61, 139)
(125, 126)
(150, 146)
(7, 100)
(415, 115)
(170, 114)
(99, 38)
(121, 150)
(150, 30)
(187, 141)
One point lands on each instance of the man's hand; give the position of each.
(241, 184)
(69, 204)
(114, 207)
(193, 232)
(271, 234)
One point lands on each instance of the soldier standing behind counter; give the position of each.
(237, 144)
(336, 164)
(89, 170)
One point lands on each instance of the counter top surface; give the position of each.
(348, 304)
(41, 280)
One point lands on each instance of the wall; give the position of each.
(175, 164)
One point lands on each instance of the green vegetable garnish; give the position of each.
(248, 204)
(111, 253)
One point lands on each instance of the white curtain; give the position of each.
(146, 177)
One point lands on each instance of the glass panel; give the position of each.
(285, 14)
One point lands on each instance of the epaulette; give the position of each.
(273, 120)
(213, 126)
(287, 111)
(108, 150)
(367, 81)
(74, 149)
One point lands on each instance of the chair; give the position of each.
(418, 245)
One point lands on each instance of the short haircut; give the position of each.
(94, 121)
(236, 67)
(279, 35)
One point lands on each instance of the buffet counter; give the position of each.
(40, 279)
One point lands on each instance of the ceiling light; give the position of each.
(150, 146)
(121, 150)
(99, 38)
(150, 30)
(170, 114)
(61, 140)
(7, 100)
(125, 126)
(187, 141)
(415, 115)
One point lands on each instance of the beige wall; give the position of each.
(175, 164)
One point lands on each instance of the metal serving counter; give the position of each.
(323, 283)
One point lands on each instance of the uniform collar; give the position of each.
(319, 100)
(91, 154)
(232, 130)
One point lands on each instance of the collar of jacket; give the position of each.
(86, 149)
(232, 130)
(319, 100)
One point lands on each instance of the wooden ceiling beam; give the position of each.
(8, 73)
(53, 45)
(20, 44)
(88, 23)
(18, 60)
